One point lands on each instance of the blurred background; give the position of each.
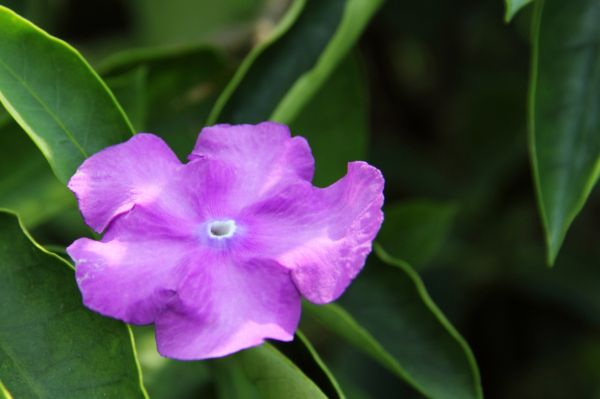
(437, 91)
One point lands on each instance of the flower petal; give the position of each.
(265, 154)
(130, 274)
(115, 179)
(322, 235)
(226, 307)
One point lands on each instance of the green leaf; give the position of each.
(56, 96)
(262, 372)
(193, 378)
(321, 364)
(173, 89)
(512, 7)
(564, 110)
(414, 231)
(393, 320)
(335, 122)
(304, 354)
(283, 73)
(51, 346)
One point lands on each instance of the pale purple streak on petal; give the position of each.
(117, 178)
(322, 235)
(264, 155)
(227, 306)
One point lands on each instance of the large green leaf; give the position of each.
(564, 111)
(283, 73)
(51, 346)
(414, 231)
(512, 7)
(55, 96)
(335, 122)
(262, 372)
(393, 319)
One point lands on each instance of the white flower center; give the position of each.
(220, 229)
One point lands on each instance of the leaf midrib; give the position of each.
(34, 387)
(45, 107)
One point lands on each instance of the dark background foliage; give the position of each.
(447, 88)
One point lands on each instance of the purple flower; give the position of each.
(217, 252)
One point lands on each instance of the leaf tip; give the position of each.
(554, 241)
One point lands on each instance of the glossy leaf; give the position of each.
(55, 96)
(512, 7)
(283, 73)
(262, 372)
(564, 112)
(335, 122)
(414, 231)
(51, 346)
(392, 319)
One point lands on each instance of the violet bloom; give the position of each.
(217, 252)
